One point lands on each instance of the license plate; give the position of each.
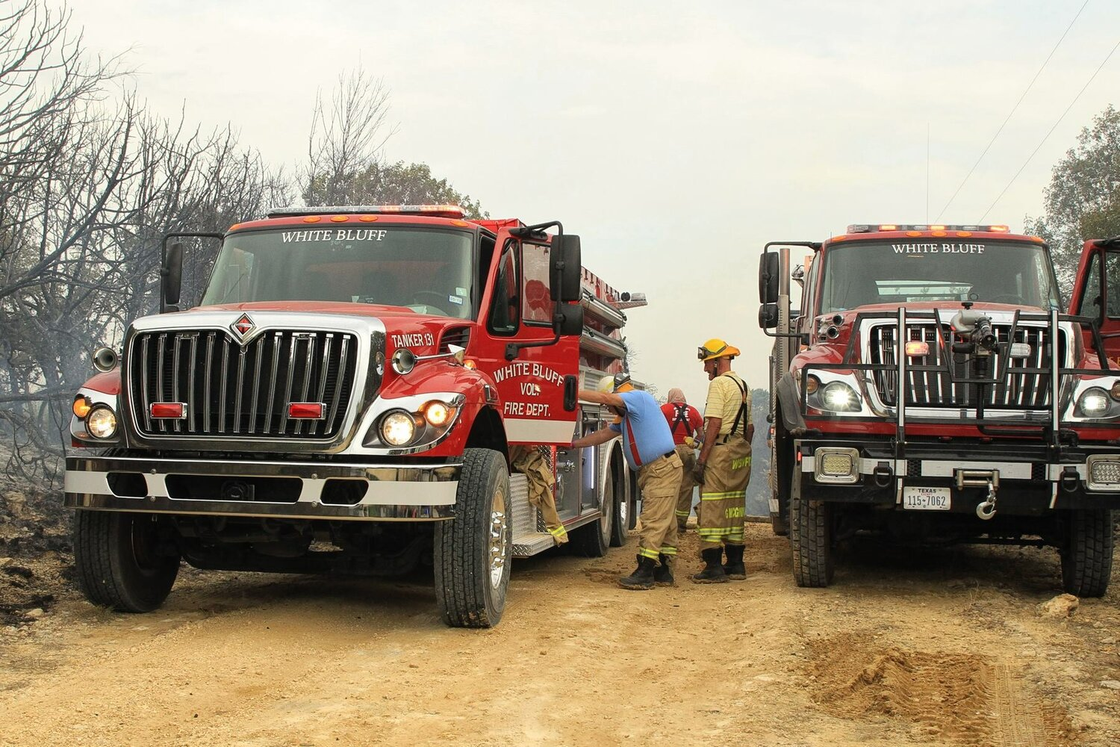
(926, 499)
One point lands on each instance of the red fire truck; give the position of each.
(343, 400)
(931, 388)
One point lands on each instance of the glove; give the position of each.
(691, 442)
(698, 472)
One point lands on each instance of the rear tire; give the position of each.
(623, 509)
(121, 560)
(592, 540)
(635, 501)
(810, 537)
(1087, 553)
(473, 551)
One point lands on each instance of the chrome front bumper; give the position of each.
(393, 492)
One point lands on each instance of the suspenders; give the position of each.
(682, 417)
(739, 416)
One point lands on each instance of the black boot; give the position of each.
(734, 567)
(663, 576)
(713, 568)
(642, 577)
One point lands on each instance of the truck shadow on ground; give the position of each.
(1021, 570)
(402, 599)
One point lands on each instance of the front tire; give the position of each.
(810, 537)
(1087, 553)
(473, 551)
(123, 561)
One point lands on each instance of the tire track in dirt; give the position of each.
(953, 698)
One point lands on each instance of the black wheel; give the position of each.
(781, 455)
(779, 520)
(635, 500)
(623, 509)
(473, 551)
(810, 537)
(1087, 553)
(122, 561)
(592, 540)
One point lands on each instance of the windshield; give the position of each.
(426, 270)
(922, 270)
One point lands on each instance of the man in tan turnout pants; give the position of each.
(724, 466)
(647, 445)
(529, 461)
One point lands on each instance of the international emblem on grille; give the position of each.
(243, 326)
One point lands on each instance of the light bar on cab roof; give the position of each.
(435, 211)
(884, 227)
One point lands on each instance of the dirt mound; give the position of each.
(35, 554)
(955, 698)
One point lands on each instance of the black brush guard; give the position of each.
(1052, 373)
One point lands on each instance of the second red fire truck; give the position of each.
(932, 388)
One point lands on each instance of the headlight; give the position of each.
(1093, 402)
(101, 422)
(437, 413)
(397, 428)
(839, 397)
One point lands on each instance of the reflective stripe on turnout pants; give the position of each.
(723, 496)
(660, 481)
(684, 496)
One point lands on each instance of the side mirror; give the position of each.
(569, 319)
(768, 278)
(566, 265)
(571, 389)
(171, 276)
(768, 315)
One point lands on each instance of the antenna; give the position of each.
(927, 172)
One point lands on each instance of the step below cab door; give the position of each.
(533, 370)
(1096, 293)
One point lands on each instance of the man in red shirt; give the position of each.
(687, 425)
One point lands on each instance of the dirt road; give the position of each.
(936, 647)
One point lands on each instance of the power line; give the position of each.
(1075, 98)
(1011, 113)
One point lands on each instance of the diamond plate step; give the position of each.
(531, 544)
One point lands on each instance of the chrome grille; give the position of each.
(1025, 384)
(234, 390)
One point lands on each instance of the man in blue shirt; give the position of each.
(647, 444)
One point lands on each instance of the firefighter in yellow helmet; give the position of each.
(723, 468)
(647, 445)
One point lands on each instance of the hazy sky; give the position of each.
(675, 138)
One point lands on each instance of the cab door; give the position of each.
(518, 310)
(1096, 293)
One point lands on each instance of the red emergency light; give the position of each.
(885, 227)
(339, 213)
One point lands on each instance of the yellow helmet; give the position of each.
(615, 384)
(716, 348)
